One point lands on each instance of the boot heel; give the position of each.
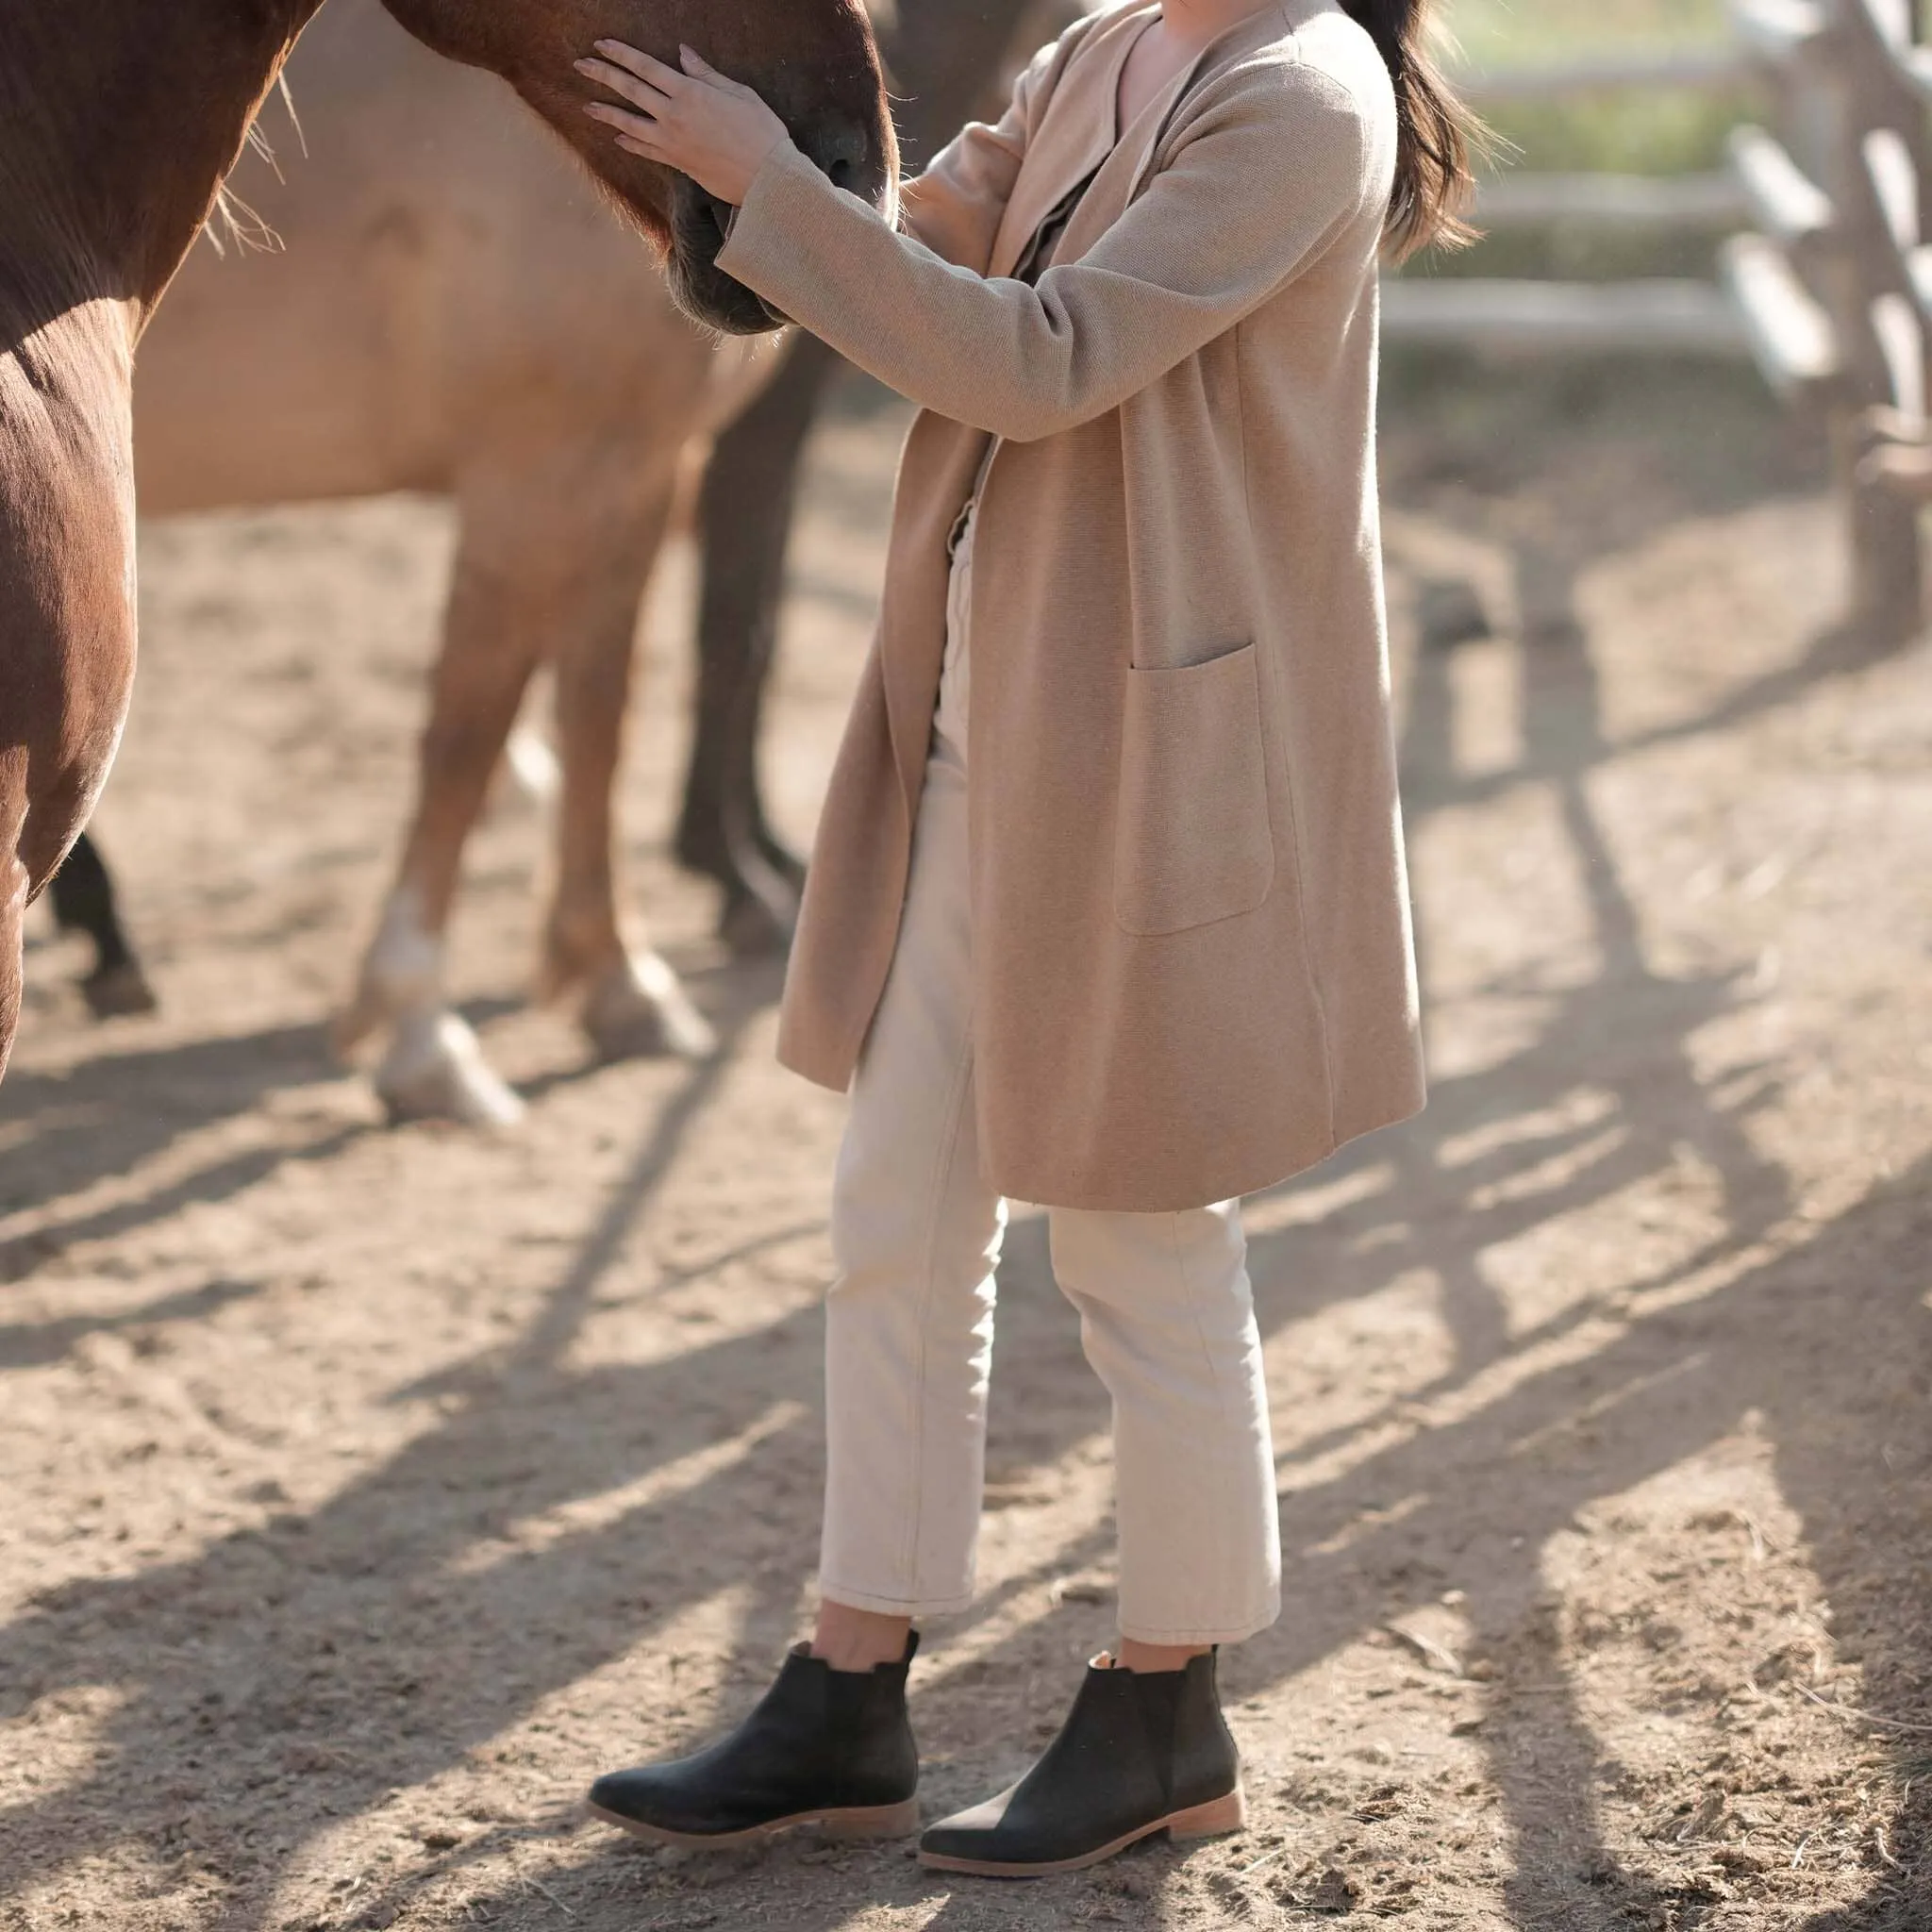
(873, 1821)
(1205, 1821)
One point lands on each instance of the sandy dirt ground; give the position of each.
(365, 1492)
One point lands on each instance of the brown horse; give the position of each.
(451, 311)
(454, 310)
(118, 123)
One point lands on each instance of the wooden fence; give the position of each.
(1668, 316)
(1828, 287)
(1835, 284)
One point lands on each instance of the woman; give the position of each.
(1108, 910)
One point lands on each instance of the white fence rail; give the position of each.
(1589, 318)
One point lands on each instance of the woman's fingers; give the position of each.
(646, 82)
(646, 67)
(640, 94)
(699, 68)
(695, 121)
(638, 126)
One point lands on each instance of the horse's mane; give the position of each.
(231, 219)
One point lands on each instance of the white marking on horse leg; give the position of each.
(401, 974)
(639, 1006)
(405, 957)
(435, 1070)
(534, 765)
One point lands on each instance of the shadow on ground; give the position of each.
(226, 1664)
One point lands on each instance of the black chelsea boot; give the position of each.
(1140, 1752)
(824, 1747)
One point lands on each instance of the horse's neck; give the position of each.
(118, 122)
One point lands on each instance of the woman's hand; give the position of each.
(695, 120)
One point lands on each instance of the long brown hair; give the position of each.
(1438, 136)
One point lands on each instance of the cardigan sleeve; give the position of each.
(1267, 172)
(954, 206)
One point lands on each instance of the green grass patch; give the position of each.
(1530, 33)
(1649, 131)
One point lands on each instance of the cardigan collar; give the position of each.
(1079, 135)
(1076, 133)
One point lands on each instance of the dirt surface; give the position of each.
(367, 1492)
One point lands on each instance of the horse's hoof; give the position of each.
(781, 859)
(114, 993)
(639, 1009)
(750, 929)
(763, 884)
(761, 912)
(435, 1071)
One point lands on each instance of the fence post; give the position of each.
(1880, 337)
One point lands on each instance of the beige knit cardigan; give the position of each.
(1192, 967)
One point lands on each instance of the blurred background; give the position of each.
(384, 1455)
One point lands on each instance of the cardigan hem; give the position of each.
(1087, 1195)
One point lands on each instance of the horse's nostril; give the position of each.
(841, 152)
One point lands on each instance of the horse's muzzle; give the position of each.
(699, 224)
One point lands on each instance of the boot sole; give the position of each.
(854, 1821)
(1219, 1815)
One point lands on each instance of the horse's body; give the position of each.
(450, 310)
(117, 125)
(454, 308)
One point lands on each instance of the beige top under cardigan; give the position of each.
(1190, 915)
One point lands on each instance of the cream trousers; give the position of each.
(1166, 1314)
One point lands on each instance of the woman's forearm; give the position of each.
(1209, 239)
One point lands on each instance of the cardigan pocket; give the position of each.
(1191, 838)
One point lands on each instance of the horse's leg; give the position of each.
(950, 56)
(84, 902)
(13, 890)
(632, 1002)
(744, 519)
(494, 626)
